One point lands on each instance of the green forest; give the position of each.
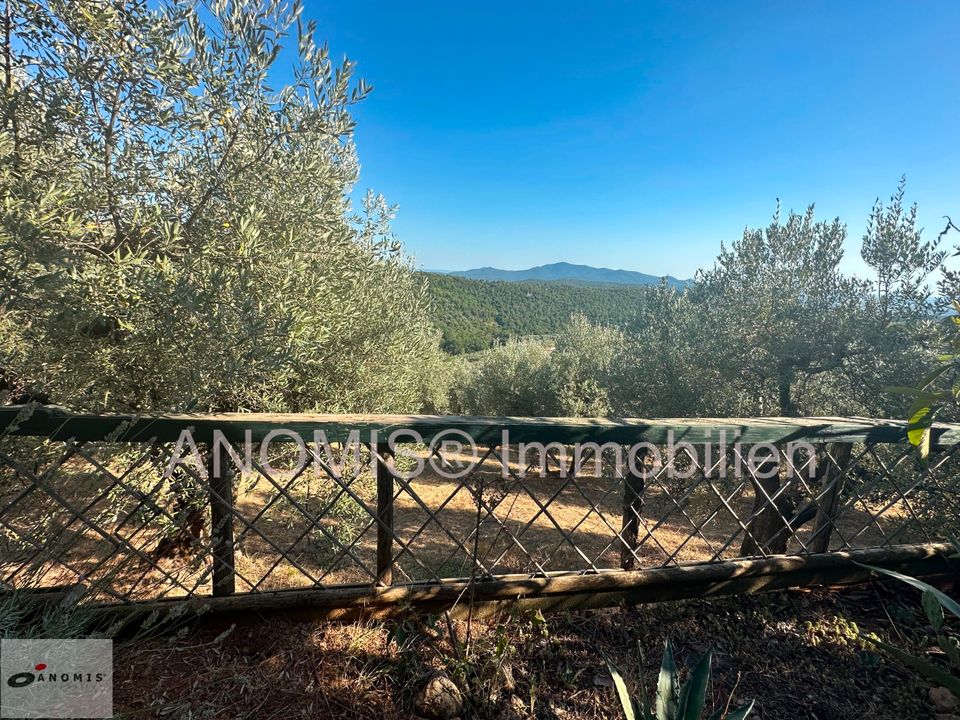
(775, 326)
(474, 315)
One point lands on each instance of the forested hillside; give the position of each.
(774, 327)
(474, 314)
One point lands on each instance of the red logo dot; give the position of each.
(40, 666)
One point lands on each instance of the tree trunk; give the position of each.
(187, 511)
(633, 486)
(785, 390)
(769, 532)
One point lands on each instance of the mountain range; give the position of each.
(562, 272)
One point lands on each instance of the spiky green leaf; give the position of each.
(667, 686)
(693, 692)
(945, 600)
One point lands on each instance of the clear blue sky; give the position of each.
(640, 135)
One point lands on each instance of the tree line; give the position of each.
(474, 315)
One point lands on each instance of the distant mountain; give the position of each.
(567, 273)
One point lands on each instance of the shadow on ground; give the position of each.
(797, 653)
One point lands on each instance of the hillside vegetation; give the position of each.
(473, 315)
(178, 232)
(774, 327)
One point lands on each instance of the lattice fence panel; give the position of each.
(113, 518)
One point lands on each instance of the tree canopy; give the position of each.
(775, 327)
(176, 231)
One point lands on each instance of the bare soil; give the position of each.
(798, 654)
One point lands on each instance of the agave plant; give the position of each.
(673, 701)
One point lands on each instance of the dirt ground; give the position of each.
(798, 654)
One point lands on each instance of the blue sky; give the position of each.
(640, 135)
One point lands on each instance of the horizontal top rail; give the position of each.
(61, 424)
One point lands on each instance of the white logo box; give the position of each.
(56, 678)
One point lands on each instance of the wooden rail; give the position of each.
(565, 592)
(60, 424)
(764, 533)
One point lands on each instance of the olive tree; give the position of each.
(175, 230)
(780, 311)
(659, 368)
(581, 368)
(904, 328)
(511, 378)
(934, 393)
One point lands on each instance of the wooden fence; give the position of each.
(120, 510)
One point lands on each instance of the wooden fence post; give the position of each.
(221, 520)
(633, 486)
(833, 479)
(384, 515)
